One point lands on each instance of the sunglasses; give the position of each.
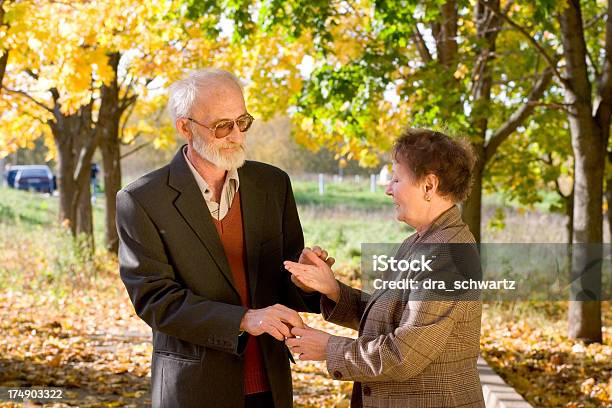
(225, 126)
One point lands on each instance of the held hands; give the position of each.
(277, 321)
(309, 343)
(314, 274)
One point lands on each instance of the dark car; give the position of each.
(10, 175)
(34, 177)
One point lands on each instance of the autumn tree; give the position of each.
(585, 78)
(78, 90)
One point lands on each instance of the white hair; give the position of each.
(184, 92)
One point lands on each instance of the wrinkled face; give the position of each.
(221, 101)
(408, 196)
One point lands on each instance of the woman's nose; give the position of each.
(388, 190)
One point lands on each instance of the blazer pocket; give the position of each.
(178, 356)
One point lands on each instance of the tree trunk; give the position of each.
(445, 34)
(472, 214)
(5, 51)
(65, 182)
(111, 158)
(84, 215)
(3, 62)
(487, 25)
(584, 308)
(76, 142)
(609, 200)
(569, 212)
(111, 110)
(584, 314)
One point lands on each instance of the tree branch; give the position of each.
(127, 101)
(421, 45)
(554, 105)
(29, 97)
(595, 20)
(125, 120)
(551, 63)
(131, 152)
(517, 118)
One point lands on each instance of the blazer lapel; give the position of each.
(402, 253)
(253, 203)
(192, 207)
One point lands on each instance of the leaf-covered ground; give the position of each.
(528, 346)
(91, 343)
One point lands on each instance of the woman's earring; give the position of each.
(427, 198)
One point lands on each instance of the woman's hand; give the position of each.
(310, 344)
(316, 275)
(319, 252)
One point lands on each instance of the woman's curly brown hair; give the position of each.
(426, 152)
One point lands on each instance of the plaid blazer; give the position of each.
(411, 351)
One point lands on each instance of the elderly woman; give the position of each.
(415, 348)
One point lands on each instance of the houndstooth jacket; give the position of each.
(411, 352)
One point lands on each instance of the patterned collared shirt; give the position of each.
(230, 186)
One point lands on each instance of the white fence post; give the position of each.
(372, 183)
(321, 184)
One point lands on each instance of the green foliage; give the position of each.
(299, 16)
(370, 79)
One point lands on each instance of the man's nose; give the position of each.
(236, 136)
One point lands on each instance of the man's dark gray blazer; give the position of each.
(174, 267)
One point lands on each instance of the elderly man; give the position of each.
(202, 244)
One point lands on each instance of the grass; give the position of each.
(38, 254)
(347, 195)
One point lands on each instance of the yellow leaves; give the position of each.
(307, 124)
(601, 391)
(461, 71)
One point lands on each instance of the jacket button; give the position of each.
(337, 375)
(367, 391)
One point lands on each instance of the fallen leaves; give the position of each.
(533, 354)
(72, 343)
(78, 330)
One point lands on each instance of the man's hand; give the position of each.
(308, 260)
(319, 252)
(309, 344)
(277, 321)
(315, 276)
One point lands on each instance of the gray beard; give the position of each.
(227, 162)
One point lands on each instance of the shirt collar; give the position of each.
(231, 175)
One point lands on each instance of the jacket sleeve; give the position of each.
(427, 320)
(348, 310)
(397, 356)
(158, 297)
(293, 243)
